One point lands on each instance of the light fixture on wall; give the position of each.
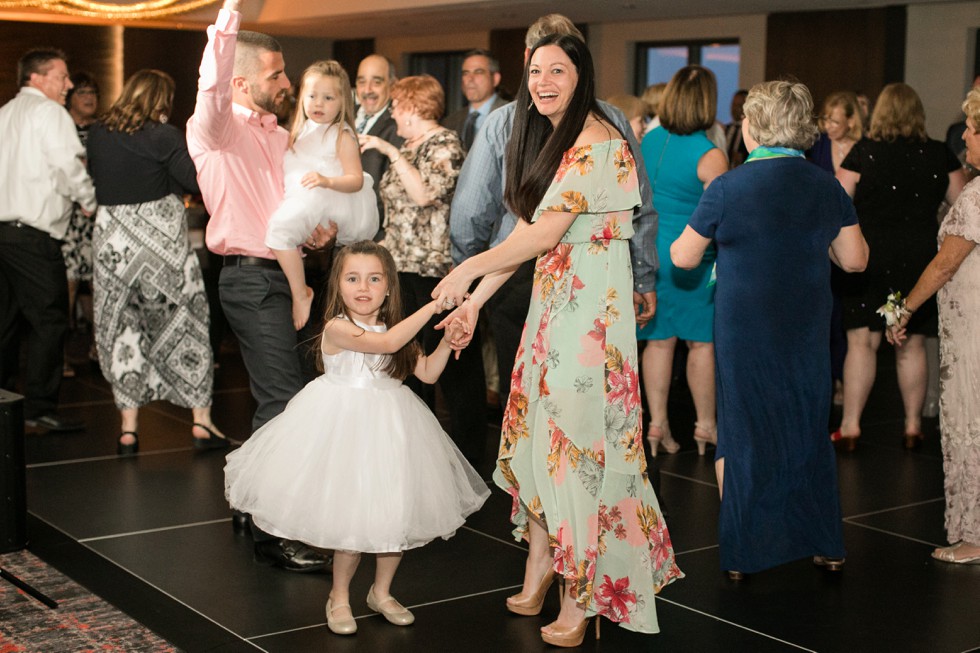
(110, 10)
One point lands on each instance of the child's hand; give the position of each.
(457, 334)
(314, 180)
(301, 308)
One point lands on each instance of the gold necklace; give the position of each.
(412, 142)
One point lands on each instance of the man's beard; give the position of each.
(267, 101)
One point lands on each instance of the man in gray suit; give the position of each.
(481, 76)
(375, 77)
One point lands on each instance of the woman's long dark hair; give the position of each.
(536, 148)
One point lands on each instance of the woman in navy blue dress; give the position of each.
(773, 221)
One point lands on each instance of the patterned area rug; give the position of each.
(82, 622)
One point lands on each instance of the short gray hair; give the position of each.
(780, 114)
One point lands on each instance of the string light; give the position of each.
(110, 11)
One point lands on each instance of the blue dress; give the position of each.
(773, 221)
(685, 300)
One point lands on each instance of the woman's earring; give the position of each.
(531, 104)
(164, 118)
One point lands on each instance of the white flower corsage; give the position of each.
(893, 310)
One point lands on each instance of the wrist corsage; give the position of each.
(893, 310)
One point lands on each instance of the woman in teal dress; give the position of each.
(571, 453)
(681, 162)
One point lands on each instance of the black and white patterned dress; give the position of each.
(151, 311)
(77, 245)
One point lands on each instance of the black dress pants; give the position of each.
(463, 382)
(33, 288)
(258, 305)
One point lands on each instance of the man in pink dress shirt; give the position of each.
(238, 148)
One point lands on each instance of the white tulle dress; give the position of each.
(356, 214)
(355, 462)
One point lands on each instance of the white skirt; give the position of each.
(357, 465)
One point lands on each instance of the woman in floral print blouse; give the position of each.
(571, 453)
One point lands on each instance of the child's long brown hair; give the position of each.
(326, 69)
(401, 363)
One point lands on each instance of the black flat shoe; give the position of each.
(128, 449)
(292, 556)
(213, 441)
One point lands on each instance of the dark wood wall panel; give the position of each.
(88, 48)
(858, 49)
(349, 53)
(507, 45)
(175, 52)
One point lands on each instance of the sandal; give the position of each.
(703, 436)
(659, 437)
(948, 554)
(215, 440)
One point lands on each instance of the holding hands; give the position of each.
(895, 334)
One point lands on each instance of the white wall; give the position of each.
(939, 58)
(612, 46)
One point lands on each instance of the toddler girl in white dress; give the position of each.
(323, 178)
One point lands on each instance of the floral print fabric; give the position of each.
(959, 373)
(571, 451)
(418, 236)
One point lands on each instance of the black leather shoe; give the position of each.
(53, 422)
(292, 556)
(239, 523)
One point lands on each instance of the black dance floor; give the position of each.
(152, 535)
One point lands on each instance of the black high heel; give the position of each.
(213, 441)
(130, 449)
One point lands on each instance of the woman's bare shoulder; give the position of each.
(597, 130)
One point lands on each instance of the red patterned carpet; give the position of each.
(82, 622)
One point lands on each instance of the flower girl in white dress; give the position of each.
(323, 178)
(357, 463)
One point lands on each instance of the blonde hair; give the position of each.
(848, 102)
(630, 105)
(971, 106)
(654, 96)
(550, 25)
(324, 69)
(690, 101)
(147, 95)
(780, 114)
(898, 113)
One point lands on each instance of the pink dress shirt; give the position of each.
(238, 152)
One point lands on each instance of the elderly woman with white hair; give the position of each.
(777, 223)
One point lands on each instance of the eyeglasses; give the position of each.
(829, 120)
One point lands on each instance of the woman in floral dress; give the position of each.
(571, 453)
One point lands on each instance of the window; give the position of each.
(657, 62)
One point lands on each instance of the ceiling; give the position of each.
(350, 19)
